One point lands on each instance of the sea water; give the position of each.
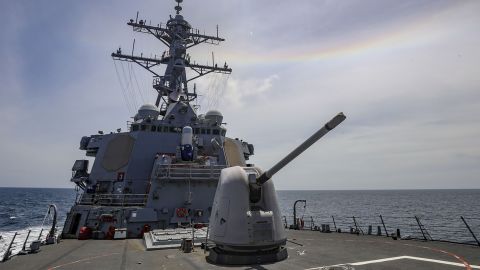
(23, 209)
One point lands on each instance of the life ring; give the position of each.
(181, 212)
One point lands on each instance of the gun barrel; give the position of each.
(335, 121)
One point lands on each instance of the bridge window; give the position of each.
(159, 129)
(134, 127)
(143, 127)
(216, 132)
(203, 131)
(154, 128)
(165, 129)
(208, 131)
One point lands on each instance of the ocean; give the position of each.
(439, 211)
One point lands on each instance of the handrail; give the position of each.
(470, 230)
(18, 244)
(110, 199)
(186, 171)
(453, 229)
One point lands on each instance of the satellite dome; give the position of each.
(148, 107)
(214, 116)
(147, 111)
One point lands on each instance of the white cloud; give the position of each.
(413, 108)
(240, 92)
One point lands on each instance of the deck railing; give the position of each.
(462, 229)
(113, 199)
(188, 172)
(15, 243)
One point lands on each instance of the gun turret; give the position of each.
(245, 221)
(302, 147)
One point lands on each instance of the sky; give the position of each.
(405, 73)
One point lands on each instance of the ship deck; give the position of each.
(306, 249)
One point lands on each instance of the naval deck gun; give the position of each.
(302, 147)
(255, 186)
(245, 222)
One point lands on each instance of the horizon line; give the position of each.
(392, 189)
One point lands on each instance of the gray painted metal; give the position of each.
(244, 231)
(140, 179)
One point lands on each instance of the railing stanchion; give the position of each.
(193, 236)
(421, 229)
(356, 226)
(384, 227)
(40, 235)
(285, 221)
(206, 240)
(7, 252)
(470, 230)
(25, 242)
(334, 224)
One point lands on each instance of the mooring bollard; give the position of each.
(323, 228)
(351, 230)
(398, 234)
(379, 231)
(187, 245)
(369, 229)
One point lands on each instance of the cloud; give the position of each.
(240, 92)
(411, 99)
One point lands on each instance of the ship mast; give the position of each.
(178, 36)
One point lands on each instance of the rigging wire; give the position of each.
(129, 90)
(125, 83)
(222, 87)
(125, 98)
(214, 103)
(136, 81)
(132, 88)
(212, 92)
(218, 86)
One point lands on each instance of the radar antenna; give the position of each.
(178, 8)
(178, 35)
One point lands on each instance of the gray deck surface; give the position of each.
(317, 250)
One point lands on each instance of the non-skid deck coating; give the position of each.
(307, 250)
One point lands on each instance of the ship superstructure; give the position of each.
(163, 172)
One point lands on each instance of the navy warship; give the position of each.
(160, 188)
(162, 173)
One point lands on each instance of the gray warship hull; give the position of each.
(163, 171)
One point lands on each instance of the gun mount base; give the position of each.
(223, 257)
